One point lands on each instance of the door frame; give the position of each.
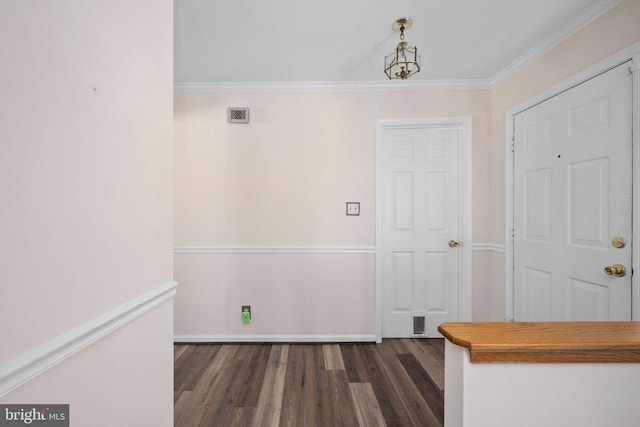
(464, 124)
(631, 53)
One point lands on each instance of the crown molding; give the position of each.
(371, 86)
(568, 29)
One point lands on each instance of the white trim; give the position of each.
(635, 253)
(567, 30)
(464, 124)
(274, 250)
(630, 53)
(493, 247)
(273, 338)
(372, 86)
(508, 216)
(32, 363)
(305, 249)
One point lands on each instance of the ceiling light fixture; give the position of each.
(404, 61)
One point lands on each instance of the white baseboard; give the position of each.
(274, 338)
(274, 250)
(32, 363)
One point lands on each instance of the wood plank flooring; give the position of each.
(397, 383)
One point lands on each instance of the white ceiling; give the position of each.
(346, 40)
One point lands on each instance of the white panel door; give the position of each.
(420, 215)
(572, 197)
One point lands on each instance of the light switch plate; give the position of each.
(353, 208)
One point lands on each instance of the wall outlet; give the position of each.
(246, 314)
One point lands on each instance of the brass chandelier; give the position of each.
(404, 61)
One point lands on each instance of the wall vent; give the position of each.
(238, 115)
(419, 324)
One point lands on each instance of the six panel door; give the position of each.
(420, 216)
(572, 203)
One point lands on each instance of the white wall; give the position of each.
(283, 181)
(85, 184)
(538, 394)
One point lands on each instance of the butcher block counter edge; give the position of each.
(546, 342)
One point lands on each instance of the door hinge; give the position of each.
(513, 146)
(513, 235)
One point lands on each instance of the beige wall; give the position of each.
(612, 32)
(283, 180)
(85, 180)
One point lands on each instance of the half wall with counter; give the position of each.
(542, 374)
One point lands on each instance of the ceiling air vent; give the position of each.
(238, 115)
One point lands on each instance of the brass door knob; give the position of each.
(617, 270)
(453, 244)
(618, 242)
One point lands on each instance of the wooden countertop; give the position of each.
(547, 342)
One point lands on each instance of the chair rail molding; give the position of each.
(23, 368)
(493, 247)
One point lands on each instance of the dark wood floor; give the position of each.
(397, 383)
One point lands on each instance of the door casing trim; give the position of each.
(464, 124)
(630, 53)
